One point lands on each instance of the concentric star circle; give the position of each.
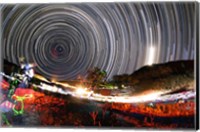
(66, 40)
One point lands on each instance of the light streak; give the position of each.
(40, 77)
(65, 85)
(151, 55)
(80, 92)
(83, 93)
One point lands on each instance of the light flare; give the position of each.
(81, 91)
(151, 55)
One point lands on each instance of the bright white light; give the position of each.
(151, 55)
(80, 91)
(137, 99)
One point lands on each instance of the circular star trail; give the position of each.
(66, 40)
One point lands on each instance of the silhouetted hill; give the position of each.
(161, 70)
(167, 76)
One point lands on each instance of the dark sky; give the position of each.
(66, 40)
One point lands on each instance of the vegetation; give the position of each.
(96, 79)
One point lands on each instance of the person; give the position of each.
(27, 71)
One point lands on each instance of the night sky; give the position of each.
(66, 40)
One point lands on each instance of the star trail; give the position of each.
(66, 40)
